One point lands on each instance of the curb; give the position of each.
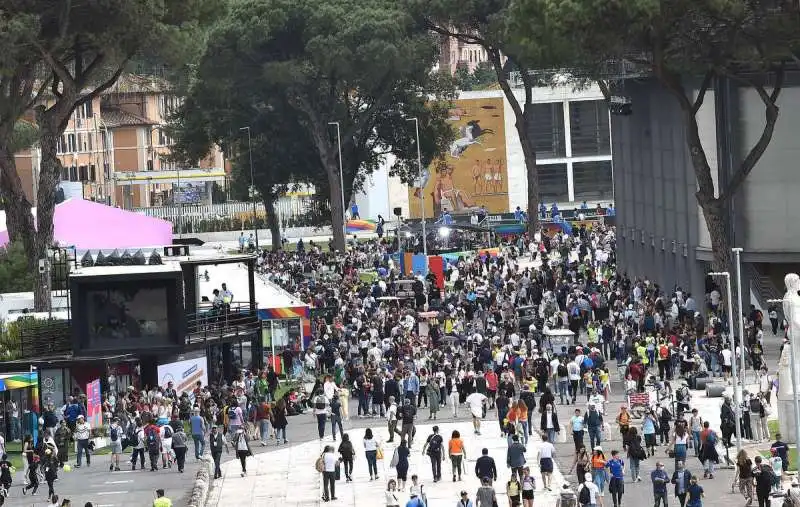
(202, 483)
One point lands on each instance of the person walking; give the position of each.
(321, 413)
(547, 452)
(336, 416)
(744, 470)
(455, 449)
(371, 447)
(241, 444)
(659, 478)
(62, 437)
(485, 466)
(434, 401)
(152, 439)
(636, 453)
(115, 444)
(433, 448)
(198, 427)
(763, 478)
(588, 492)
(136, 439)
(50, 468)
(391, 418)
(179, 442)
(514, 492)
(515, 456)
(215, 445)
(593, 421)
(82, 434)
(347, 454)
(400, 462)
(599, 469)
(485, 496)
(391, 494)
(463, 500)
(549, 424)
(582, 463)
(528, 487)
(329, 463)
(576, 424)
(406, 414)
(616, 485)
(708, 450)
(696, 494)
(649, 430)
(280, 422)
(681, 478)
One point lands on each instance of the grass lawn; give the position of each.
(793, 456)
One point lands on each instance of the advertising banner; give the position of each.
(94, 404)
(474, 171)
(184, 374)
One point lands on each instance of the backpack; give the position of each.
(167, 431)
(133, 437)
(584, 497)
(561, 371)
(232, 413)
(152, 441)
(114, 433)
(681, 394)
(435, 445)
(663, 352)
(319, 465)
(711, 439)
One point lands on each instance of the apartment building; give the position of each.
(115, 150)
(454, 53)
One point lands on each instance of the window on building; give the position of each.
(593, 181)
(553, 184)
(546, 127)
(70, 144)
(163, 139)
(150, 164)
(84, 111)
(589, 129)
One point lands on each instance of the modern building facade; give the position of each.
(572, 133)
(114, 150)
(662, 234)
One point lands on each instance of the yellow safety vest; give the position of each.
(162, 502)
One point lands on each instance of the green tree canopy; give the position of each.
(67, 53)
(363, 64)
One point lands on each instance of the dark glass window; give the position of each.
(589, 128)
(125, 314)
(553, 184)
(546, 128)
(593, 181)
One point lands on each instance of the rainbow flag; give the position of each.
(355, 226)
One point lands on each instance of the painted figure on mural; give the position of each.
(445, 194)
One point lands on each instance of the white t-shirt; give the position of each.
(546, 450)
(475, 402)
(329, 461)
(727, 355)
(370, 444)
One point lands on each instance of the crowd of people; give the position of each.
(479, 340)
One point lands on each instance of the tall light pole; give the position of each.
(252, 184)
(341, 179)
(793, 335)
(736, 392)
(422, 190)
(738, 252)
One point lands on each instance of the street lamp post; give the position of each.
(792, 334)
(736, 392)
(252, 184)
(422, 190)
(341, 178)
(738, 252)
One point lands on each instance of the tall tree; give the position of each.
(83, 48)
(685, 45)
(362, 63)
(485, 22)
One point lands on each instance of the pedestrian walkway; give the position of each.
(287, 477)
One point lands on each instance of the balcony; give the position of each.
(219, 324)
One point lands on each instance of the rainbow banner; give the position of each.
(356, 226)
(19, 380)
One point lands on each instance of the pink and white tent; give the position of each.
(89, 225)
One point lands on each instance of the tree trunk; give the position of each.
(532, 171)
(337, 212)
(717, 221)
(19, 219)
(272, 221)
(49, 175)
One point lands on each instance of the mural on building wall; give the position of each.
(474, 171)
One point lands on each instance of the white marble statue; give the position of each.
(791, 310)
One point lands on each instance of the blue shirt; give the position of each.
(197, 424)
(695, 496)
(616, 467)
(412, 384)
(648, 426)
(660, 480)
(354, 209)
